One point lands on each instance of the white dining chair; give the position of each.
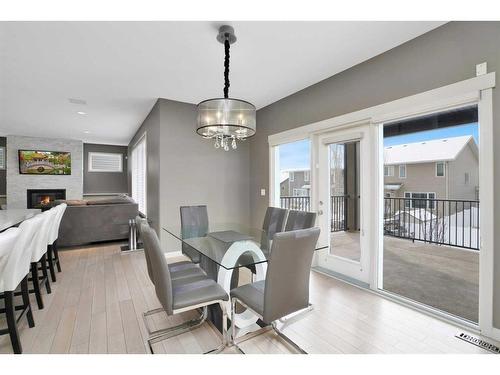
(39, 256)
(52, 251)
(15, 258)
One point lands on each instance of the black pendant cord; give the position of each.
(226, 68)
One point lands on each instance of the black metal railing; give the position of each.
(440, 221)
(296, 203)
(449, 222)
(338, 208)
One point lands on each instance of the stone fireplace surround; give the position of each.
(18, 185)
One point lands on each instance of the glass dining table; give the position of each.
(223, 249)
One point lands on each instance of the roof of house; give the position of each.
(445, 149)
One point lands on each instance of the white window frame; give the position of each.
(307, 176)
(466, 178)
(399, 170)
(477, 90)
(428, 206)
(144, 203)
(444, 168)
(390, 171)
(3, 159)
(111, 154)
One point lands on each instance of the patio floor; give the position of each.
(443, 277)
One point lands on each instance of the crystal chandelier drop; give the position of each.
(225, 119)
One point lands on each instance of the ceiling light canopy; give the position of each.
(226, 120)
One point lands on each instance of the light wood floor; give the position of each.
(97, 302)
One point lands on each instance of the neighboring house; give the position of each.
(295, 183)
(438, 169)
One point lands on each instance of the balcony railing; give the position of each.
(440, 221)
(338, 208)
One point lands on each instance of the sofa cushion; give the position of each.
(70, 202)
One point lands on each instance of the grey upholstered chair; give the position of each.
(286, 287)
(177, 296)
(178, 270)
(194, 223)
(299, 220)
(274, 222)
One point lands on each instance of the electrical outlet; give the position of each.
(262, 192)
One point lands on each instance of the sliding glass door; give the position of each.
(431, 209)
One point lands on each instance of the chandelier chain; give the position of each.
(226, 68)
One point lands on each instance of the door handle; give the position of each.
(320, 212)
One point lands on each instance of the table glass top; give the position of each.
(227, 244)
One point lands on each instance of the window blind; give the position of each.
(105, 162)
(139, 174)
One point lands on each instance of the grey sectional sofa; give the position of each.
(99, 220)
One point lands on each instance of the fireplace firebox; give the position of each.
(42, 198)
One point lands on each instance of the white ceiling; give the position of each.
(121, 68)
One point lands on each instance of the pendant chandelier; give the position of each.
(226, 120)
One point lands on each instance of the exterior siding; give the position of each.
(287, 186)
(419, 178)
(466, 162)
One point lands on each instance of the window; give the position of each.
(2, 158)
(419, 200)
(440, 169)
(300, 192)
(466, 178)
(292, 176)
(105, 162)
(306, 176)
(138, 168)
(402, 171)
(389, 170)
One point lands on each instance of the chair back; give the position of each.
(159, 268)
(56, 222)
(288, 272)
(300, 220)
(140, 224)
(194, 223)
(16, 265)
(8, 240)
(274, 222)
(41, 237)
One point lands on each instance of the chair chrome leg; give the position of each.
(287, 339)
(233, 327)
(296, 314)
(223, 345)
(161, 334)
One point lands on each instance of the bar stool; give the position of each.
(52, 251)
(15, 256)
(39, 255)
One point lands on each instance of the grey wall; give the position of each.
(17, 184)
(3, 172)
(441, 57)
(194, 172)
(185, 169)
(104, 182)
(150, 127)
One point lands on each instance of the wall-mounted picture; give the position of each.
(44, 162)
